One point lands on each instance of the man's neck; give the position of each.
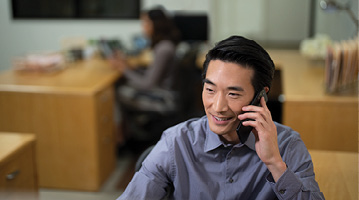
(229, 139)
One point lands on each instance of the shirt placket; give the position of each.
(229, 175)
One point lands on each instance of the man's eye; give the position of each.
(209, 90)
(234, 95)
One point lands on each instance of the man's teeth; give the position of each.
(221, 119)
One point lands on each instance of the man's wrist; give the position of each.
(277, 169)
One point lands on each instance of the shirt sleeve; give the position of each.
(163, 57)
(152, 180)
(298, 181)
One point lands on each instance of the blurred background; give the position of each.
(83, 148)
(277, 23)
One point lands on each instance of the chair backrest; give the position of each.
(143, 157)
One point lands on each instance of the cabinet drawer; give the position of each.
(17, 176)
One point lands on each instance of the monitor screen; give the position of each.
(193, 27)
(75, 9)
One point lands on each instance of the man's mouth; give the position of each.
(222, 118)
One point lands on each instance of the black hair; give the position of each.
(247, 53)
(163, 26)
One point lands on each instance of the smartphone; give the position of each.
(244, 131)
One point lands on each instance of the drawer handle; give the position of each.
(12, 175)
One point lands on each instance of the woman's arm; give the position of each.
(163, 57)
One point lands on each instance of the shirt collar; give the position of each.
(213, 141)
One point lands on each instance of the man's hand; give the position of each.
(265, 132)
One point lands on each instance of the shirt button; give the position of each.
(231, 180)
(282, 191)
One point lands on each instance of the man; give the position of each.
(205, 159)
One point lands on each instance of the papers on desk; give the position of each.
(341, 65)
(50, 62)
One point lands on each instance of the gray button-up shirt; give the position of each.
(194, 160)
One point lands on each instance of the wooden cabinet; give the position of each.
(71, 113)
(18, 177)
(324, 121)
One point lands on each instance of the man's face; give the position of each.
(227, 88)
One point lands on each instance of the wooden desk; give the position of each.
(17, 167)
(71, 113)
(324, 121)
(336, 173)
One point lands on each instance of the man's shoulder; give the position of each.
(286, 135)
(284, 130)
(189, 129)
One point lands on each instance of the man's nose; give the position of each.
(220, 103)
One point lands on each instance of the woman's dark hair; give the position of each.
(247, 53)
(163, 27)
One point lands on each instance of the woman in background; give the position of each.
(141, 91)
(164, 37)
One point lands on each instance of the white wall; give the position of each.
(338, 25)
(172, 5)
(268, 21)
(279, 22)
(246, 17)
(19, 37)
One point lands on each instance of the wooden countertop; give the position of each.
(336, 173)
(82, 77)
(303, 79)
(10, 143)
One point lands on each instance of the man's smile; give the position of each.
(222, 120)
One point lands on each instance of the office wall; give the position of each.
(338, 25)
(173, 5)
(19, 37)
(281, 23)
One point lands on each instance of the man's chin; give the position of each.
(219, 130)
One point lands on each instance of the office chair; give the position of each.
(149, 112)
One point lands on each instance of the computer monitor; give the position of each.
(193, 26)
(75, 9)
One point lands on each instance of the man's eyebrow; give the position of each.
(236, 88)
(208, 82)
